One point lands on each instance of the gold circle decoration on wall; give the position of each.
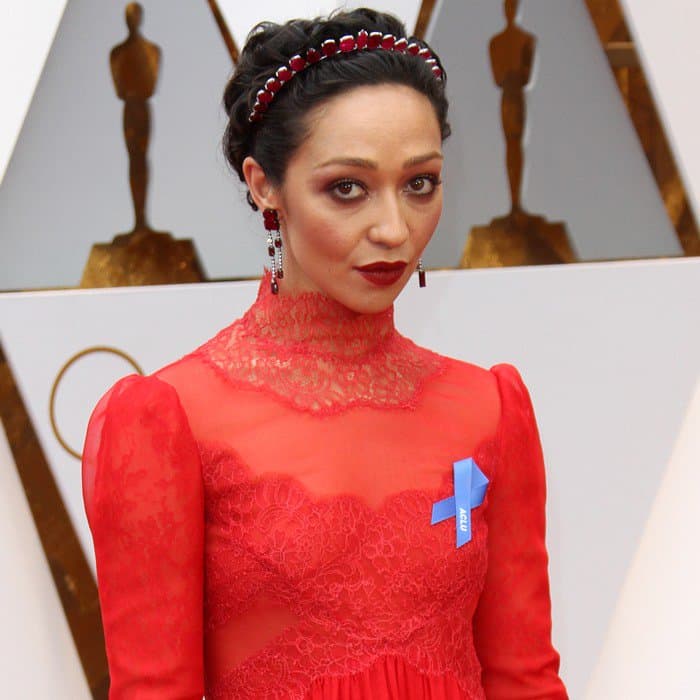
(71, 361)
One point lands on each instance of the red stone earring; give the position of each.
(274, 247)
(421, 273)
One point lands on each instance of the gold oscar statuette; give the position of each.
(143, 255)
(518, 238)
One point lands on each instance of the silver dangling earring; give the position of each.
(274, 247)
(421, 273)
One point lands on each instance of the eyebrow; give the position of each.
(373, 165)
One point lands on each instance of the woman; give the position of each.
(281, 513)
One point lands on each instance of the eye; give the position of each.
(423, 185)
(347, 190)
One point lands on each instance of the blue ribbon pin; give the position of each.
(470, 489)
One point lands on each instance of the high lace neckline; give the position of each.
(317, 355)
(318, 323)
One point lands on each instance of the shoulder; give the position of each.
(499, 378)
(509, 380)
(469, 374)
(137, 415)
(513, 391)
(469, 391)
(204, 361)
(137, 437)
(499, 387)
(183, 378)
(503, 377)
(142, 391)
(171, 381)
(133, 405)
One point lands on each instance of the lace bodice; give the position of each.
(261, 514)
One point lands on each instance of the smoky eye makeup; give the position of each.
(431, 178)
(352, 190)
(347, 190)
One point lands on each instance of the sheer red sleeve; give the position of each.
(143, 496)
(512, 624)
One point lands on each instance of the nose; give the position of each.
(390, 227)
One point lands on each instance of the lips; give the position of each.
(382, 273)
(383, 266)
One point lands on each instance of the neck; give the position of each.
(319, 356)
(317, 322)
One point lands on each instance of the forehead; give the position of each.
(384, 122)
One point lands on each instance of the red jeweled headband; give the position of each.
(364, 41)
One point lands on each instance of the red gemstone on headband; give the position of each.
(272, 85)
(329, 47)
(362, 37)
(260, 107)
(284, 74)
(347, 43)
(388, 41)
(437, 71)
(401, 44)
(255, 117)
(264, 96)
(313, 56)
(413, 48)
(297, 63)
(425, 53)
(374, 39)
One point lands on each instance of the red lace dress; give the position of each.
(261, 515)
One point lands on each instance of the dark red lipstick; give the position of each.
(382, 273)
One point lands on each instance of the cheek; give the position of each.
(324, 235)
(426, 221)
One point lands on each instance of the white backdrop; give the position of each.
(610, 352)
(653, 640)
(39, 657)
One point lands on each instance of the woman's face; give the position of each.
(362, 189)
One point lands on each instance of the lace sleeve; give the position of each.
(143, 496)
(512, 624)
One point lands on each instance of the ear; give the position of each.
(264, 193)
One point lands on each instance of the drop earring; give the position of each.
(274, 247)
(421, 273)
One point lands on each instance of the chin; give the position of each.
(373, 301)
(370, 306)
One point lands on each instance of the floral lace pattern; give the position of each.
(320, 356)
(362, 583)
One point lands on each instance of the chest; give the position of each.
(337, 515)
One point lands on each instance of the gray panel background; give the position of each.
(66, 185)
(584, 164)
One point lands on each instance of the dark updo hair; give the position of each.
(283, 128)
